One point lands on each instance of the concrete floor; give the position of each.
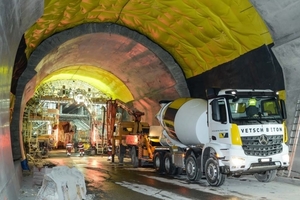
(106, 180)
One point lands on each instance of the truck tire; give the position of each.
(168, 164)
(134, 159)
(158, 163)
(213, 174)
(266, 176)
(191, 168)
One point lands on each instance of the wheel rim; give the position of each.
(157, 162)
(191, 168)
(167, 164)
(212, 171)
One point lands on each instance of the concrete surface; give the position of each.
(246, 187)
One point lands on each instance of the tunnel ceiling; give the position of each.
(200, 35)
(117, 65)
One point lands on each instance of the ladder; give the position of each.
(294, 136)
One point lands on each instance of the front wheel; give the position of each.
(213, 174)
(266, 176)
(191, 168)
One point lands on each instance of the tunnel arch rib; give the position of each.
(56, 40)
(50, 45)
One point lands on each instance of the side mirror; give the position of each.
(283, 109)
(215, 110)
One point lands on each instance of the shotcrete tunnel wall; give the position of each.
(15, 18)
(282, 19)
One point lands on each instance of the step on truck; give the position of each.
(233, 132)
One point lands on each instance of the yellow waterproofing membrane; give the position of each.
(102, 80)
(200, 35)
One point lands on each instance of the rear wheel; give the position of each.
(168, 163)
(192, 170)
(266, 176)
(158, 163)
(213, 174)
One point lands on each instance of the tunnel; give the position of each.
(140, 52)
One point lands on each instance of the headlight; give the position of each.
(237, 162)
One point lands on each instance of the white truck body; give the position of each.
(215, 137)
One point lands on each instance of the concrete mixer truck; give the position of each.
(233, 132)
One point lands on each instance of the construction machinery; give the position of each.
(135, 139)
(216, 137)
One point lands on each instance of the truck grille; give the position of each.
(272, 146)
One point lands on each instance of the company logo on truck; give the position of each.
(263, 139)
(261, 130)
(223, 135)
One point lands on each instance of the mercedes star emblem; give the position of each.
(263, 139)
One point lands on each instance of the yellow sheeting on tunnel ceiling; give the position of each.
(102, 80)
(199, 34)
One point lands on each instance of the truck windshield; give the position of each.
(260, 108)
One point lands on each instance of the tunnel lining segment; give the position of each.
(56, 40)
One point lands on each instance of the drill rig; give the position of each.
(136, 137)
